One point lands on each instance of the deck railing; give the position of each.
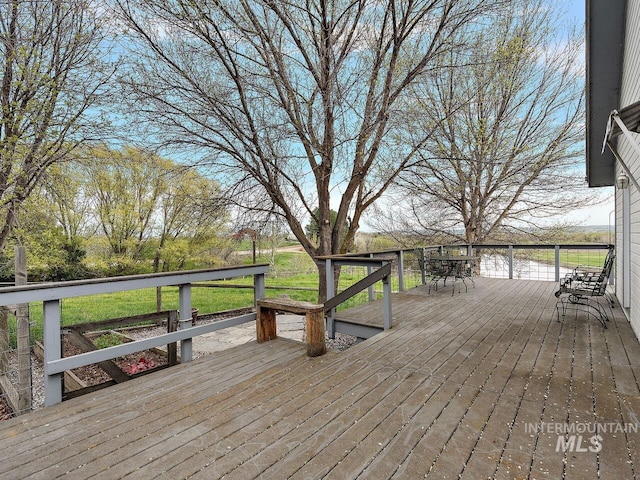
(378, 269)
(539, 261)
(546, 262)
(380, 266)
(52, 294)
(407, 268)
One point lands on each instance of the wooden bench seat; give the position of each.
(267, 309)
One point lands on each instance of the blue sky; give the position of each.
(575, 8)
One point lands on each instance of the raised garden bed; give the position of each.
(93, 375)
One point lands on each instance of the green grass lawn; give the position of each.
(568, 258)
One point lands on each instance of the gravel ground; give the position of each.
(340, 343)
(37, 378)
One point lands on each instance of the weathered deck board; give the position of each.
(120, 417)
(462, 386)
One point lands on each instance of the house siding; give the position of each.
(629, 93)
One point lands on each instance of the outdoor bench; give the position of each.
(267, 309)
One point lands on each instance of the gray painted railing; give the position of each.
(52, 294)
(383, 272)
(510, 255)
(512, 250)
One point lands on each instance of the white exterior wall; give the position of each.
(630, 93)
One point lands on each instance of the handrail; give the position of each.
(379, 265)
(357, 287)
(509, 257)
(38, 292)
(383, 264)
(374, 259)
(109, 353)
(52, 294)
(555, 247)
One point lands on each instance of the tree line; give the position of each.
(113, 212)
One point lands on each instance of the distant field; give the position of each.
(571, 258)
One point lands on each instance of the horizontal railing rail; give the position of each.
(514, 254)
(52, 294)
(510, 254)
(109, 353)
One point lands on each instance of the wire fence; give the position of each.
(537, 264)
(19, 367)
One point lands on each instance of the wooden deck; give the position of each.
(477, 385)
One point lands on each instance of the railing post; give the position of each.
(186, 345)
(401, 271)
(259, 288)
(172, 350)
(331, 327)
(5, 346)
(557, 262)
(423, 266)
(370, 290)
(511, 262)
(52, 351)
(386, 288)
(24, 337)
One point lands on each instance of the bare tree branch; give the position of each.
(306, 100)
(508, 136)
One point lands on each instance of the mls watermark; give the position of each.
(581, 437)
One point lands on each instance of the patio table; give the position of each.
(455, 266)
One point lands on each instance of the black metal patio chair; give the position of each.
(438, 268)
(583, 289)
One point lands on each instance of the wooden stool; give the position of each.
(313, 312)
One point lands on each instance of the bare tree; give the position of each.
(298, 104)
(508, 141)
(51, 76)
